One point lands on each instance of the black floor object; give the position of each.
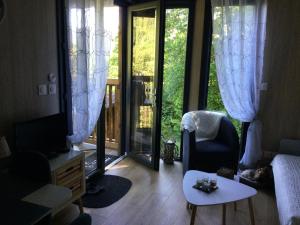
(105, 190)
(91, 162)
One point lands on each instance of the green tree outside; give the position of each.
(113, 68)
(174, 71)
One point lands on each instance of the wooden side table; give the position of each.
(68, 170)
(228, 191)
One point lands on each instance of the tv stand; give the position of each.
(67, 169)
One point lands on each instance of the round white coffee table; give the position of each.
(228, 191)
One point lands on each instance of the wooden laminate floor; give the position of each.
(156, 198)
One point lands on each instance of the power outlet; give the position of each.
(42, 89)
(52, 89)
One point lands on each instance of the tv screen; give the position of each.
(47, 135)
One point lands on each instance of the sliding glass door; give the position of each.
(143, 42)
(158, 57)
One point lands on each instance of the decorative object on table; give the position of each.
(259, 178)
(169, 148)
(206, 185)
(2, 10)
(225, 172)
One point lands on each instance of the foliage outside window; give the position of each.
(174, 71)
(113, 68)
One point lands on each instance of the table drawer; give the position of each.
(76, 186)
(67, 173)
(68, 170)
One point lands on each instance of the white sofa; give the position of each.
(286, 169)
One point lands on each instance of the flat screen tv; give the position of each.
(47, 135)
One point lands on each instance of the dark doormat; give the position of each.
(91, 162)
(112, 188)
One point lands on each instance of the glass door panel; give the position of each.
(143, 41)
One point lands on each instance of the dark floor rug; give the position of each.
(113, 189)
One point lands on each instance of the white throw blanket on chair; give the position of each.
(206, 124)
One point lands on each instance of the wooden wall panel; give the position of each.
(196, 55)
(280, 105)
(27, 54)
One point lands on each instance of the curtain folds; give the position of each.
(89, 49)
(239, 28)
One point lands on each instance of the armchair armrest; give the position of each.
(227, 133)
(188, 148)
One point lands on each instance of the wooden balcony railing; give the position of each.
(112, 116)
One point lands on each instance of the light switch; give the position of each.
(52, 89)
(42, 89)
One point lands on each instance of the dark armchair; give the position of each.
(32, 165)
(210, 155)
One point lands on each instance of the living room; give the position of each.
(30, 51)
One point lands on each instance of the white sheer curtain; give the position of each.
(89, 48)
(239, 38)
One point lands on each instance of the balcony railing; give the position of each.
(112, 116)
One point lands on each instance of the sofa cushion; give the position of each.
(211, 156)
(212, 149)
(287, 182)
